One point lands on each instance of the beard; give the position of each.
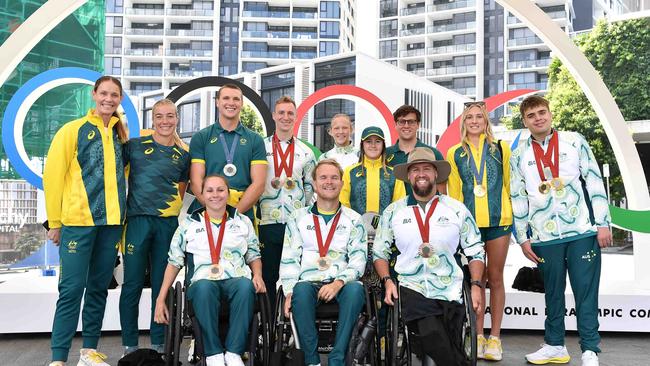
(423, 191)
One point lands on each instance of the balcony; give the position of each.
(304, 55)
(186, 73)
(452, 48)
(142, 52)
(535, 86)
(553, 15)
(142, 72)
(418, 72)
(529, 63)
(413, 10)
(145, 32)
(137, 11)
(190, 12)
(449, 70)
(113, 50)
(412, 31)
(411, 53)
(304, 35)
(523, 41)
(450, 27)
(265, 34)
(303, 15)
(452, 5)
(265, 14)
(465, 91)
(189, 32)
(188, 53)
(265, 54)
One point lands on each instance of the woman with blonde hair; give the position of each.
(159, 170)
(480, 178)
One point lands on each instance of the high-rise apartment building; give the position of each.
(160, 44)
(475, 47)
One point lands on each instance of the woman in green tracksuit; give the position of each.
(85, 197)
(158, 174)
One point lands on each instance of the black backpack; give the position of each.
(142, 357)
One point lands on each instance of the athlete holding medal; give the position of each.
(561, 221)
(229, 148)
(323, 257)
(226, 265)
(480, 178)
(288, 187)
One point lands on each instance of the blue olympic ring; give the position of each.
(11, 113)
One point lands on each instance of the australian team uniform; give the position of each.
(319, 248)
(481, 180)
(85, 196)
(229, 153)
(288, 187)
(235, 247)
(344, 155)
(558, 202)
(367, 187)
(153, 205)
(395, 156)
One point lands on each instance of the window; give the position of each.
(114, 25)
(464, 38)
(114, 6)
(328, 48)
(202, 25)
(189, 117)
(388, 49)
(465, 60)
(414, 67)
(140, 87)
(330, 9)
(112, 65)
(387, 8)
(329, 30)
(248, 66)
(388, 28)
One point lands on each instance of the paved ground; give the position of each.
(620, 349)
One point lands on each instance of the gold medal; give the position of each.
(544, 187)
(479, 190)
(425, 250)
(215, 272)
(323, 263)
(289, 183)
(557, 184)
(276, 183)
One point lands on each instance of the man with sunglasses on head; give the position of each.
(407, 122)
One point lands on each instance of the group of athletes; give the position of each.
(268, 215)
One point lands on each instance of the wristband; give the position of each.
(477, 283)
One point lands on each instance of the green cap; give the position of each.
(372, 131)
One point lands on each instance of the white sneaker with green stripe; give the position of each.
(549, 354)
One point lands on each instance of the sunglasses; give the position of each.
(472, 103)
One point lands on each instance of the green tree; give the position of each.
(250, 119)
(620, 52)
(513, 121)
(26, 244)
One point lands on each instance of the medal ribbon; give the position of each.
(550, 159)
(230, 154)
(280, 159)
(478, 175)
(424, 226)
(215, 250)
(323, 249)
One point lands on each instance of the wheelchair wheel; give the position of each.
(173, 329)
(260, 334)
(469, 326)
(398, 350)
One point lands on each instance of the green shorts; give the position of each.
(493, 232)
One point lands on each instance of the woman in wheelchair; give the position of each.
(224, 250)
(323, 257)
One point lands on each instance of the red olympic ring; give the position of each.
(347, 90)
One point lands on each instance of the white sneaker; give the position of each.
(215, 360)
(233, 359)
(90, 357)
(57, 363)
(549, 354)
(589, 358)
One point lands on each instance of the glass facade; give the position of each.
(228, 38)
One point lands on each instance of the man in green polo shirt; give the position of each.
(229, 148)
(407, 122)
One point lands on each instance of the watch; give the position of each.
(384, 279)
(477, 283)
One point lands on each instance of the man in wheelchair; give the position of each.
(226, 264)
(428, 229)
(324, 255)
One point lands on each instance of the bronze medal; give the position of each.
(323, 263)
(276, 183)
(425, 250)
(215, 272)
(544, 187)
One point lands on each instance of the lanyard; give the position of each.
(323, 249)
(478, 175)
(424, 226)
(550, 159)
(215, 251)
(280, 159)
(230, 154)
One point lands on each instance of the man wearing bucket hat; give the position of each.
(428, 229)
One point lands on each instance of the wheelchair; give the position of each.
(184, 324)
(402, 344)
(362, 349)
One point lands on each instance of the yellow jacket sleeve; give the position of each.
(59, 156)
(344, 196)
(454, 185)
(399, 191)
